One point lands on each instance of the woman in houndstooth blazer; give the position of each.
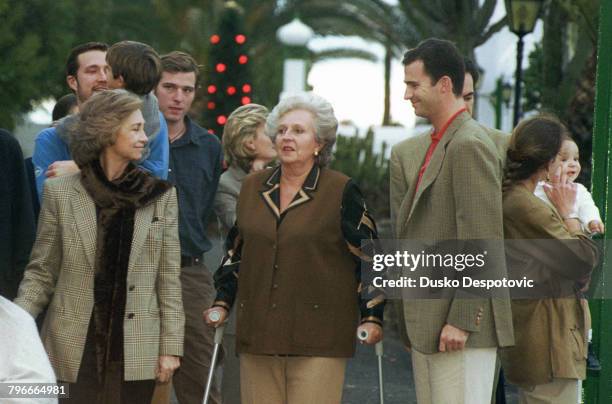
(106, 260)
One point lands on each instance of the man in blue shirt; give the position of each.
(86, 73)
(195, 167)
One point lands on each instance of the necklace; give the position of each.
(178, 135)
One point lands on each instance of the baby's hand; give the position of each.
(595, 226)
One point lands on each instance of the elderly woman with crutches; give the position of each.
(293, 265)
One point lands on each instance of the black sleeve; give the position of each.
(226, 276)
(19, 231)
(359, 230)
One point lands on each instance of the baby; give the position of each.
(584, 207)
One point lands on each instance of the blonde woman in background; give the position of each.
(247, 149)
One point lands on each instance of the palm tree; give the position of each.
(262, 20)
(402, 26)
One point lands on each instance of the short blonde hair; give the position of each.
(241, 126)
(97, 123)
(325, 122)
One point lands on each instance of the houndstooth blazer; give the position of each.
(61, 274)
(459, 198)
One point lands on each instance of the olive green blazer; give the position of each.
(551, 334)
(500, 139)
(459, 198)
(61, 274)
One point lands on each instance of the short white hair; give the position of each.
(325, 122)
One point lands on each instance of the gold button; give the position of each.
(273, 305)
(275, 286)
(316, 306)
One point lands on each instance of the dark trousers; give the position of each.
(190, 379)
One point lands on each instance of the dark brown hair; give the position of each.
(440, 58)
(63, 106)
(471, 69)
(180, 62)
(72, 63)
(534, 144)
(137, 63)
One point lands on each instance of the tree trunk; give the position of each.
(387, 111)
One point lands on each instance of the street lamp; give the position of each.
(523, 15)
(506, 93)
(500, 98)
(295, 35)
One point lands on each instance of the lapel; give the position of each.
(142, 222)
(85, 216)
(271, 191)
(437, 158)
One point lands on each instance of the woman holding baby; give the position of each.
(547, 243)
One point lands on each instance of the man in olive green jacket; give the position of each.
(499, 138)
(447, 186)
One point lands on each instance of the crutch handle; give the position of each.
(379, 348)
(214, 316)
(219, 334)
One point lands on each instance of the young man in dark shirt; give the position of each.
(195, 167)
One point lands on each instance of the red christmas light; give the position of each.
(240, 39)
(211, 105)
(212, 89)
(221, 119)
(220, 67)
(212, 132)
(231, 90)
(246, 88)
(243, 59)
(245, 100)
(214, 39)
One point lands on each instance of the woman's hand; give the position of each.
(374, 333)
(561, 192)
(215, 316)
(166, 365)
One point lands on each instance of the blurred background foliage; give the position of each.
(356, 157)
(560, 78)
(36, 36)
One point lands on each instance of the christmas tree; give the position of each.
(229, 83)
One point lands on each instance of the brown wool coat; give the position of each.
(61, 274)
(551, 334)
(297, 291)
(459, 197)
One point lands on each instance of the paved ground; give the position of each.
(361, 385)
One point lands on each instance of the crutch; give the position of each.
(363, 335)
(213, 316)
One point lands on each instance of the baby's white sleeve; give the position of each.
(585, 206)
